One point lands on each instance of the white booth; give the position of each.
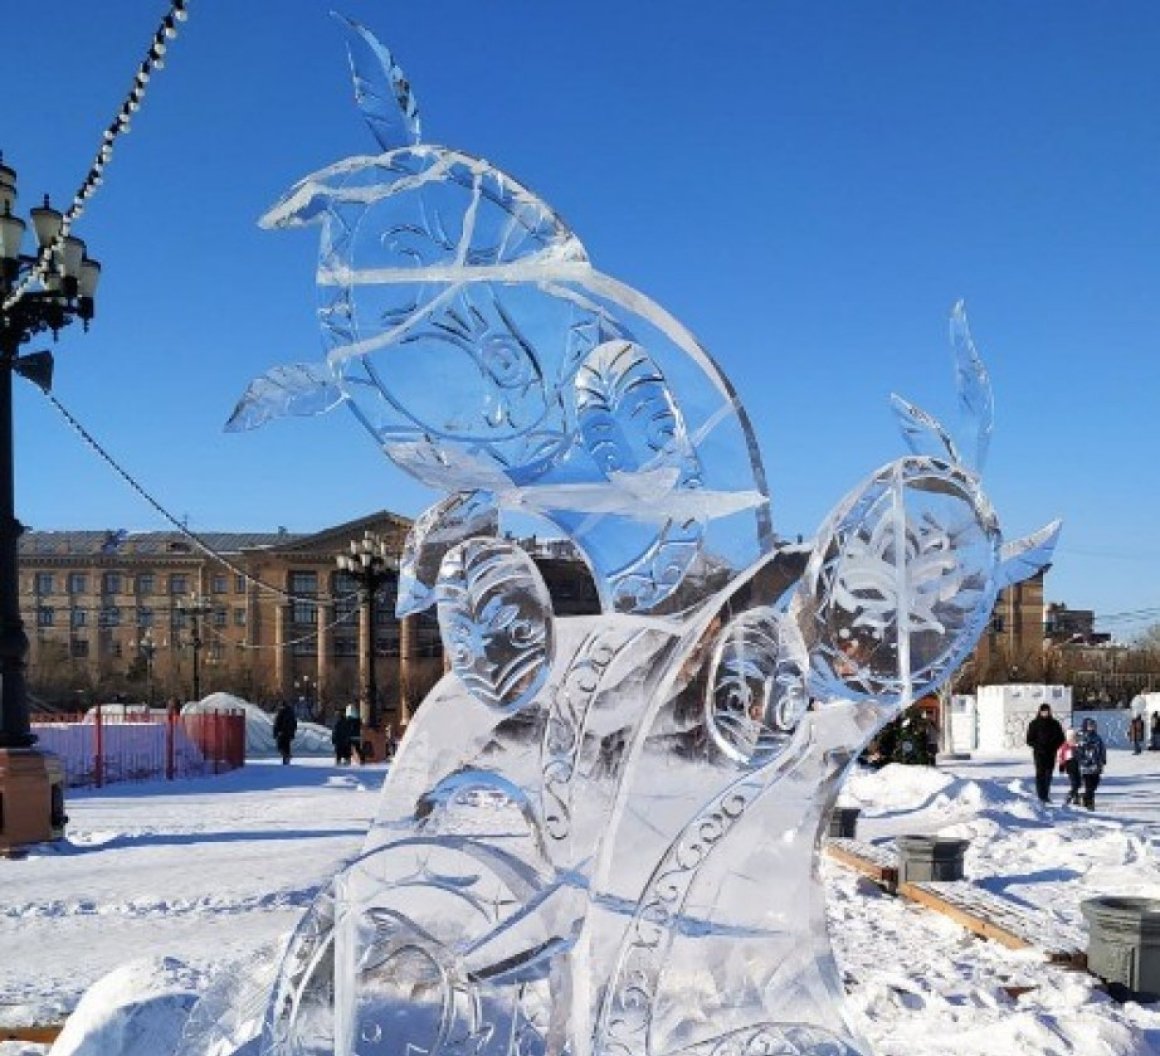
(1003, 713)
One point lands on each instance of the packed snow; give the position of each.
(161, 886)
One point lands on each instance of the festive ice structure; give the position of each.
(599, 835)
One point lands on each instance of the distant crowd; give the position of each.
(346, 735)
(1080, 754)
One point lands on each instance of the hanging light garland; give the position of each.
(154, 60)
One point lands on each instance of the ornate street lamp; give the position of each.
(148, 649)
(57, 287)
(370, 566)
(196, 608)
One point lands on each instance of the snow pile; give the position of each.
(929, 799)
(311, 739)
(138, 1009)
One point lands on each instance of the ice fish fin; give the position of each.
(973, 384)
(451, 521)
(1021, 559)
(295, 390)
(923, 433)
(381, 88)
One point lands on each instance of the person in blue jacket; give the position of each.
(1092, 756)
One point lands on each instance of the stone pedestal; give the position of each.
(922, 858)
(1124, 945)
(31, 798)
(843, 822)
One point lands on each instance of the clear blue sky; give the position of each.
(809, 187)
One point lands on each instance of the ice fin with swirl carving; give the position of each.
(450, 521)
(495, 616)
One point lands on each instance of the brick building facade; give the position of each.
(104, 613)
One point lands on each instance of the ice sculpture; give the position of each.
(599, 835)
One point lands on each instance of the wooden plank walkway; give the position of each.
(999, 919)
(980, 911)
(39, 1035)
(878, 863)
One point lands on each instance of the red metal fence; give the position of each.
(99, 747)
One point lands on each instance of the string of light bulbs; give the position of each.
(154, 60)
(192, 536)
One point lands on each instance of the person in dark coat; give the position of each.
(1044, 738)
(347, 729)
(1092, 756)
(285, 726)
(1155, 745)
(1136, 733)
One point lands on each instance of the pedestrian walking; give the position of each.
(1092, 757)
(347, 730)
(1069, 765)
(285, 727)
(1044, 738)
(354, 731)
(1155, 745)
(1136, 733)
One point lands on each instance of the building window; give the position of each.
(78, 583)
(110, 616)
(80, 618)
(145, 583)
(112, 583)
(178, 584)
(303, 585)
(239, 617)
(219, 584)
(385, 600)
(345, 647)
(239, 584)
(78, 648)
(45, 616)
(44, 583)
(387, 643)
(304, 647)
(997, 624)
(217, 652)
(346, 600)
(220, 617)
(144, 617)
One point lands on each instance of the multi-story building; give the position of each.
(105, 612)
(1011, 647)
(1067, 626)
(108, 612)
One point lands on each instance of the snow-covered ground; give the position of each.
(208, 871)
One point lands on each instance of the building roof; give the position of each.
(111, 543)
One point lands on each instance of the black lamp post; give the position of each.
(370, 567)
(304, 688)
(196, 608)
(148, 649)
(63, 293)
